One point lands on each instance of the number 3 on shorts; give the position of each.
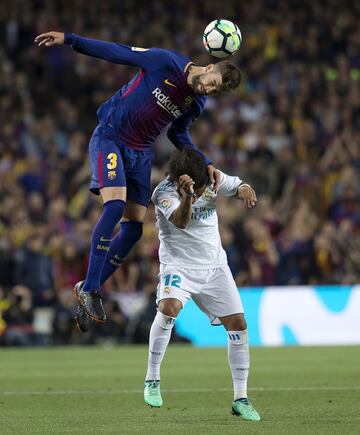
(112, 157)
(175, 281)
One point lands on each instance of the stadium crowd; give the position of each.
(292, 131)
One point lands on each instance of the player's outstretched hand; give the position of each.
(186, 185)
(50, 38)
(247, 193)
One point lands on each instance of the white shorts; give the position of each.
(213, 290)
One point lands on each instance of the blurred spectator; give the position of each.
(4, 305)
(262, 254)
(63, 322)
(7, 263)
(18, 318)
(33, 269)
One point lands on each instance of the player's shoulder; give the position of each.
(178, 60)
(223, 179)
(169, 54)
(160, 55)
(166, 185)
(176, 55)
(201, 100)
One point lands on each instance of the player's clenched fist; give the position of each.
(247, 194)
(50, 38)
(186, 185)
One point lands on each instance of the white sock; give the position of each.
(159, 338)
(239, 361)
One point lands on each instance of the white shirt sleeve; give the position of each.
(166, 199)
(228, 184)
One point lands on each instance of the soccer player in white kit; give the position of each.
(193, 265)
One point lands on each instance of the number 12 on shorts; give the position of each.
(172, 280)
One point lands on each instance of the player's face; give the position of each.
(208, 83)
(199, 191)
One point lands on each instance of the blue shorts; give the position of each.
(114, 164)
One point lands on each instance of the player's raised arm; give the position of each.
(111, 51)
(247, 194)
(179, 135)
(233, 186)
(181, 216)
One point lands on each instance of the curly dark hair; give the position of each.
(191, 163)
(230, 73)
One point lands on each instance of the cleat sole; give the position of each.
(238, 414)
(234, 412)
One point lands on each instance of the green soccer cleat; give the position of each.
(152, 395)
(243, 408)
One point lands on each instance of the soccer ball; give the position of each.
(222, 38)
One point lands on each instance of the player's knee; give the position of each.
(170, 307)
(112, 193)
(113, 209)
(132, 230)
(165, 321)
(242, 323)
(235, 322)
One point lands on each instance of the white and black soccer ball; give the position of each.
(222, 38)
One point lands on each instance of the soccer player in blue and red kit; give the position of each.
(168, 89)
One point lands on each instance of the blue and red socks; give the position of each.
(121, 244)
(100, 242)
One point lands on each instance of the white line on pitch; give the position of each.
(175, 390)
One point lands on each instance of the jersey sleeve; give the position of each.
(115, 52)
(179, 133)
(228, 184)
(166, 199)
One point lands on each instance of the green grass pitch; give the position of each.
(309, 390)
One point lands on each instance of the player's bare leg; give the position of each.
(113, 193)
(159, 338)
(239, 362)
(134, 212)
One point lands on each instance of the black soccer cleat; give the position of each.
(91, 303)
(83, 321)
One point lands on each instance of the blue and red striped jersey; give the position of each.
(158, 95)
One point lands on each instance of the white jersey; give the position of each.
(198, 246)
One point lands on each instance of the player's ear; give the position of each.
(209, 67)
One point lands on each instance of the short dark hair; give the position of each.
(230, 73)
(189, 162)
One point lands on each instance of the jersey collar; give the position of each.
(187, 67)
(186, 71)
